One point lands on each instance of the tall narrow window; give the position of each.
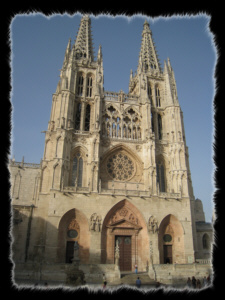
(89, 86)
(80, 85)
(77, 170)
(153, 129)
(159, 127)
(161, 176)
(157, 97)
(77, 117)
(205, 241)
(87, 117)
(150, 93)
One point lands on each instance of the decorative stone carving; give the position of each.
(95, 223)
(124, 213)
(153, 225)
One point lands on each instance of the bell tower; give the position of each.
(72, 138)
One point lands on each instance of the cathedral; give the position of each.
(114, 174)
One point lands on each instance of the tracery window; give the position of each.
(159, 126)
(157, 97)
(150, 93)
(89, 86)
(80, 85)
(153, 129)
(120, 166)
(87, 118)
(77, 170)
(205, 241)
(77, 117)
(125, 126)
(161, 176)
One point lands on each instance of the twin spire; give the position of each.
(148, 59)
(83, 47)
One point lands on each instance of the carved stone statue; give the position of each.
(153, 225)
(95, 223)
(117, 254)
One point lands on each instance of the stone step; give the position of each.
(131, 278)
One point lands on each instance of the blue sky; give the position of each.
(38, 46)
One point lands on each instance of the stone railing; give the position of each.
(170, 195)
(73, 189)
(203, 261)
(121, 96)
(23, 164)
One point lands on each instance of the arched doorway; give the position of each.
(171, 241)
(73, 226)
(125, 224)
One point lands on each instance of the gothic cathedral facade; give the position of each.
(115, 168)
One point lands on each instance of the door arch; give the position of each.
(73, 226)
(125, 222)
(171, 241)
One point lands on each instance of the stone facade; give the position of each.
(115, 167)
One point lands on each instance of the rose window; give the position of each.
(120, 167)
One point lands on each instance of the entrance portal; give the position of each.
(124, 243)
(168, 254)
(69, 251)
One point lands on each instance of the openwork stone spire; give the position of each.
(148, 59)
(83, 44)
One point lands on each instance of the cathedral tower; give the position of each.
(74, 121)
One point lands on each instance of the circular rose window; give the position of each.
(167, 238)
(72, 233)
(120, 167)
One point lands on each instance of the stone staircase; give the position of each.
(130, 279)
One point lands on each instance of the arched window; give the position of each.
(77, 170)
(150, 93)
(80, 85)
(77, 117)
(87, 117)
(205, 241)
(161, 177)
(153, 129)
(157, 97)
(89, 86)
(159, 126)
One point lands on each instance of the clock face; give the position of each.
(167, 238)
(72, 233)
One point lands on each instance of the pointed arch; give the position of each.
(72, 226)
(78, 166)
(171, 240)
(129, 108)
(125, 220)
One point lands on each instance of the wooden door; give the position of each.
(168, 254)
(125, 252)
(69, 251)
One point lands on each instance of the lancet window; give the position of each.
(87, 118)
(89, 86)
(157, 97)
(161, 176)
(77, 117)
(153, 128)
(80, 85)
(159, 126)
(77, 170)
(205, 241)
(150, 93)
